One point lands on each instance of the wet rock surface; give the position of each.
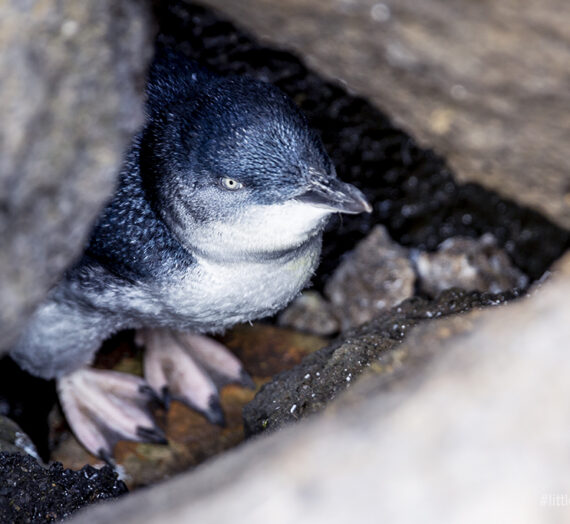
(376, 346)
(72, 78)
(30, 492)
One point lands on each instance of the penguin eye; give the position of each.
(231, 184)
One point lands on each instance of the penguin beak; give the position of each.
(335, 195)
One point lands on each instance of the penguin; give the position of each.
(217, 219)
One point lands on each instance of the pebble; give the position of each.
(377, 275)
(468, 263)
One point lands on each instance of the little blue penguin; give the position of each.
(217, 219)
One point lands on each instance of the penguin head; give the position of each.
(232, 167)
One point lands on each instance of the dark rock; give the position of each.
(72, 77)
(471, 264)
(14, 440)
(30, 492)
(310, 386)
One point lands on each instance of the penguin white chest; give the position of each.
(214, 295)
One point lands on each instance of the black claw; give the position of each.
(146, 390)
(166, 397)
(245, 380)
(104, 455)
(215, 413)
(154, 435)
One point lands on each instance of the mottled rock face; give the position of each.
(472, 264)
(380, 274)
(310, 313)
(376, 276)
(72, 75)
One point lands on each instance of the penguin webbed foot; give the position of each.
(103, 407)
(190, 368)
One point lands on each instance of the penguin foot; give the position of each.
(190, 368)
(103, 407)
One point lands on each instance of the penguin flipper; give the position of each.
(103, 407)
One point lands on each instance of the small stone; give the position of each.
(376, 276)
(470, 264)
(310, 313)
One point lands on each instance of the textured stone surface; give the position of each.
(471, 264)
(484, 83)
(379, 274)
(30, 492)
(310, 313)
(475, 435)
(71, 83)
(375, 276)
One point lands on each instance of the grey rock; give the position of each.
(475, 434)
(468, 263)
(310, 313)
(71, 75)
(379, 274)
(374, 277)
